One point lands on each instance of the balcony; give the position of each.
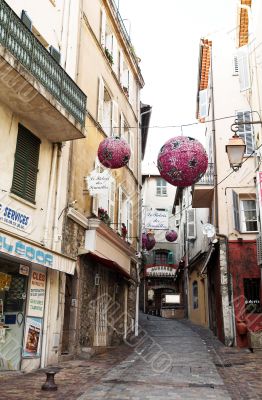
(202, 191)
(35, 86)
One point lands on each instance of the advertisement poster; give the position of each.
(33, 332)
(36, 302)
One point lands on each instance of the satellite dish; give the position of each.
(209, 230)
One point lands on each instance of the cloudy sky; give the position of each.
(166, 36)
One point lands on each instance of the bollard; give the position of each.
(50, 384)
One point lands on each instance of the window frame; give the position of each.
(242, 217)
(161, 186)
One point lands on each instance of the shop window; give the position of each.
(26, 164)
(195, 294)
(252, 295)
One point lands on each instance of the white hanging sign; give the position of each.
(98, 182)
(155, 219)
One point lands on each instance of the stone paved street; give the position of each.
(191, 364)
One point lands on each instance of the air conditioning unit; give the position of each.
(55, 54)
(26, 20)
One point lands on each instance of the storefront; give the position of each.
(23, 286)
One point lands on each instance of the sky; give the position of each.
(166, 36)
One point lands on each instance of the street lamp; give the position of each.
(235, 151)
(236, 146)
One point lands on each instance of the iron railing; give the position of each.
(208, 177)
(23, 45)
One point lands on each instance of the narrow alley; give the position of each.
(172, 360)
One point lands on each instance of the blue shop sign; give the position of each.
(17, 248)
(15, 218)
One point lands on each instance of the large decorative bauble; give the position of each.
(171, 236)
(150, 243)
(114, 152)
(182, 161)
(144, 240)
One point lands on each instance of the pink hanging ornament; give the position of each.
(171, 236)
(114, 152)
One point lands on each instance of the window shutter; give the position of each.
(103, 28)
(130, 87)
(246, 130)
(111, 198)
(236, 210)
(203, 103)
(235, 65)
(191, 223)
(95, 204)
(115, 117)
(120, 206)
(101, 91)
(130, 220)
(114, 54)
(132, 147)
(122, 125)
(170, 258)
(121, 67)
(26, 164)
(243, 70)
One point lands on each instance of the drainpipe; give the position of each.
(50, 193)
(58, 194)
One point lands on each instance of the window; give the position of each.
(195, 294)
(245, 129)
(161, 257)
(161, 187)
(107, 111)
(243, 69)
(191, 223)
(252, 295)
(203, 103)
(26, 164)
(129, 136)
(245, 214)
(125, 214)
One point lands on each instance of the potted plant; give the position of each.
(103, 215)
(109, 56)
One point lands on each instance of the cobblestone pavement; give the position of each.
(191, 365)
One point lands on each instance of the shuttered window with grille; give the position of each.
(26, 164)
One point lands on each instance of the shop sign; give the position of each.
(155, 219)
(23, 270)
(161, 271)
(36, 300)
(17, 248)
(14, 217)
(32, 341)
(97, 182)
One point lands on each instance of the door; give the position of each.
(67, 315)
(101, 331)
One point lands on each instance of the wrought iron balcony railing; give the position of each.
(208, 177)
(23, 45)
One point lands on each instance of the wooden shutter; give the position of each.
(26, 164)
(243, 69)
(246, 130)
(100, 108)
(191, 223)
(115, 119)
(114, 54)
(120, 205)
(130, 220)
(203, 103)
(111, 201)
(236, 211)
(103, 28)
(170, 258)
(132, 147)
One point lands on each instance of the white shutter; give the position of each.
(111, 205)
(235, 64)
(122, 125)
(114, 54)
(120, 206)
(95, 204)
(130, 87)
(191, 223)
(121, 67)
(203, 103)
(100, 108)
(103, 28)
(129, 221)
(246, 130)
(131, 141)
(236, 211)
(115, 117)
(243, 69)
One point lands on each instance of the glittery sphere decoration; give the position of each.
(171, 236)
(182, 161)
(114, 152)
(150, 243)
(144, 240)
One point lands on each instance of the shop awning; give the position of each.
(108, 264)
